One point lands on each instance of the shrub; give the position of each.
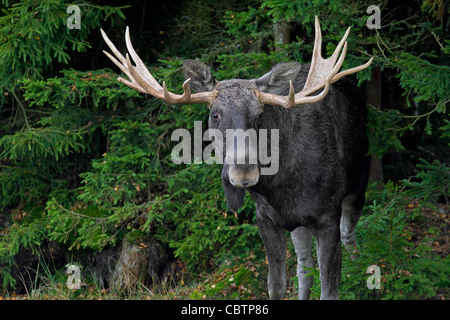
(408, 270)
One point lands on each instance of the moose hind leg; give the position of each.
(302, 240)
(349, 219)
(352, 207)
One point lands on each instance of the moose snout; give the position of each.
(243, 176)
(241, 157)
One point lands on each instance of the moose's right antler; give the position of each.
(322, 73)
(143, 81)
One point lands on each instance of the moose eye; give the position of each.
(215, 116)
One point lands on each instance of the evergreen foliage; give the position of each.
(85, 160)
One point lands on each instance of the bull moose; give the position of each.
(320, 186)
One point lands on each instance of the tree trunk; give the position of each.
(131, 268)
(280, 31)
(374, 98)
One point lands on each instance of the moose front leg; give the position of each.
(302, 240)
(274, 238)
(330, 259)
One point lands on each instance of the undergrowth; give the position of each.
(405, 239)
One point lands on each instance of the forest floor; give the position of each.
(435, 219)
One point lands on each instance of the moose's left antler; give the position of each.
(322, 73)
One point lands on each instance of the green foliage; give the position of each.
(124, 171)
(426, 80)
(89, 90)
(63, 133)
(247, 65)
(252, 23)
(34, 36)
(433, 182)
(205, 230)
(85, 160)
(28, 229)
(384, 131)
(408, 270)
(233, 280)
(305, 11)
(41, 142)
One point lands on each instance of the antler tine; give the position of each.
(320, 68)
(124, 70)
(141, 81)
(112, 47)
(351, 71)
(317, 51)
(184, 98)
(143, 71)
(309, 90)
(341, 43)
(322, 73)
(122, 63)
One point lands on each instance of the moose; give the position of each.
(319, 188)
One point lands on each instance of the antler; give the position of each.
(322, 73)
(143, 81)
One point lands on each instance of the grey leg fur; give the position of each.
(349, 219)
(329, 257)
(274, 238)
(302, 240)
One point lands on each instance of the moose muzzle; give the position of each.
(242, 157)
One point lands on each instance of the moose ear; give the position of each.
(201, 77)
(277, 80)
(234, 196)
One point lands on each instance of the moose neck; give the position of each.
(289, 132)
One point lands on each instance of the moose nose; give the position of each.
(243, 184)
(243, 176)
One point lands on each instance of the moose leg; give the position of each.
(274, 238)
(352, 207)
(302, 240)
(349, 219)
(329, 257)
